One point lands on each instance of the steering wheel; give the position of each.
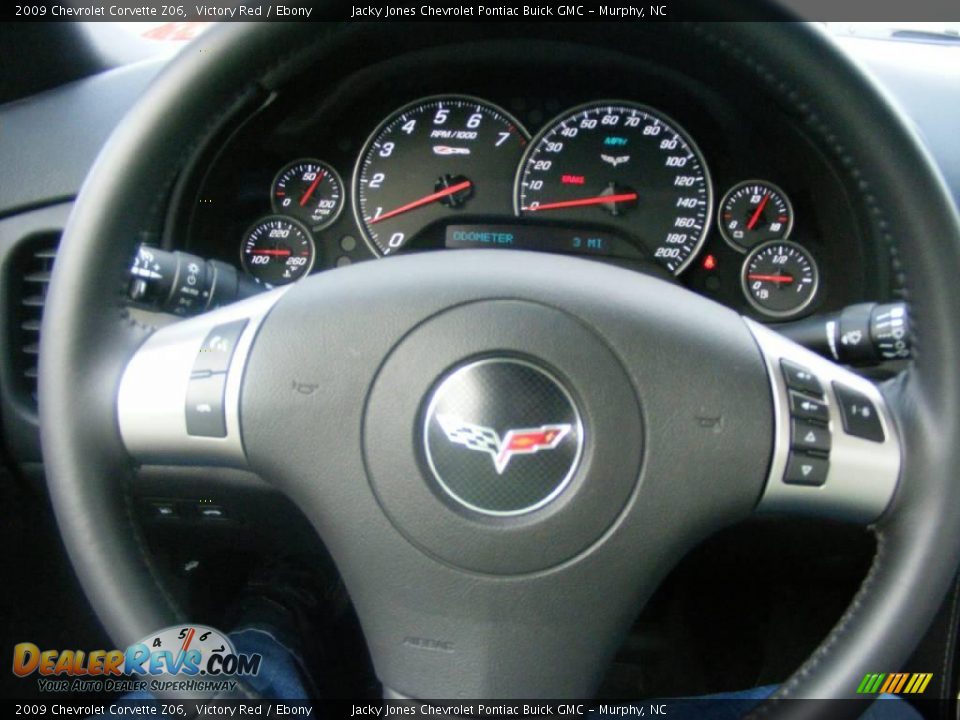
(485, 563)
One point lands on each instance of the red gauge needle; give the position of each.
(425, 200)
(771, 278)
(597, 200)
(756, 213)
(270, 252)
(313, 186)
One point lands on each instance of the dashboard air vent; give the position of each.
(32, 268)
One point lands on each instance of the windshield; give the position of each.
(124, 42)
(910, 31)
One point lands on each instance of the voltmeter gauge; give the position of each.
(277, 250)
(780, 278)
(308, 190)
(754, 212)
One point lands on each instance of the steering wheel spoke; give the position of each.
(836, 447)
(179, 397)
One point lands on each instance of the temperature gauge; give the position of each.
(754, 212)
(277, 250)
(309, 191)
(780, 278)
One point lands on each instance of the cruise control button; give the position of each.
(806, 470)
(799, 378)
(859, 414)
(217, 349)
(802, 406)
(204, 407)
(806, 436)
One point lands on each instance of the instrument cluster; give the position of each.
(742, 212)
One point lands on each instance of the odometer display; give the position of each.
(622, 165)
(435, 159)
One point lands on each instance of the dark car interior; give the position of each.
(299, 165)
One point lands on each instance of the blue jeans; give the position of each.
(282, 677)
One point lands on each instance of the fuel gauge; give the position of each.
(754, 212)
(780, 279)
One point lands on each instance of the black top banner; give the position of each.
(466, 10)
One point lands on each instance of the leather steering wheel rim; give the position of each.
(88, 336)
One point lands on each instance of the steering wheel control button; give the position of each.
(217, 349)
(854, 479)
(800, 378)
(805, 469)
(204, 406)
(859, 414)
(502, 436)
(807, 408)
(809, 437)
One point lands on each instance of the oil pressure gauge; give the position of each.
(308, 190)
(753, 212)
(780, 278)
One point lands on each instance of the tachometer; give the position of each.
(623, 165)
(433, 159)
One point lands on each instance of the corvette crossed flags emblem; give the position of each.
(525, 441)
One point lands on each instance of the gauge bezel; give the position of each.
(284, 218)
(649, 110)
(331, 170)
(371, 138)
(778, 314)
(726, 196)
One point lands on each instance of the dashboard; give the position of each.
(743, 132)
(683, 172)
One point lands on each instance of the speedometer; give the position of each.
(621, 165)
(436, 159)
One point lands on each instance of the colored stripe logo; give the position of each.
(894, 683)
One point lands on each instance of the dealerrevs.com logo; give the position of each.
(179, 658)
